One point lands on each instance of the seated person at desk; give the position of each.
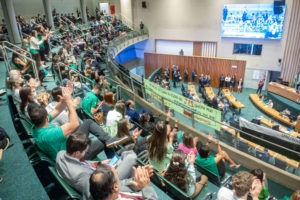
(286, 112)
(298, 86)
(270, 103)
(215, 164)
(215, 102)
(166, 84)
(265, 99)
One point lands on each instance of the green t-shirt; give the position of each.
(89, 101)
(160, 165)
(73, 66)
(50, 140)
(40, 39)
(264, 193)
(208, 163)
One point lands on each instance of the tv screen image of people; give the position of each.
(252, 21)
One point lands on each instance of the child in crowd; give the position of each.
(181, 172)
(188, 144)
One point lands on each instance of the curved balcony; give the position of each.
(132, 87)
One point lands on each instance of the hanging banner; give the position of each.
(203, 113)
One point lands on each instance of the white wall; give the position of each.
(201, 20)
(126, 9)
(29, 8)
(93, 4)
(173, 47)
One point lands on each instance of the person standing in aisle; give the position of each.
(260, 86)
(186, 75)
(193, 76)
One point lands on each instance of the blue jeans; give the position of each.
(85, 88)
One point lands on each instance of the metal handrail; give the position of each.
(8, 67)
(19, 48)
(80, 75)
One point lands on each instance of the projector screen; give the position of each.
(252, 21)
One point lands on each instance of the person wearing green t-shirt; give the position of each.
(51, 139)
(215, 164)
(261, 175)
(90, 102)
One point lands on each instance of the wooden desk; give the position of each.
(282, 129)
(233, 100)
(273, 154)
(210, 93)
(193, 91)
(285, 91)
(270, 111)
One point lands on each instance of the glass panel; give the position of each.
(257, 48)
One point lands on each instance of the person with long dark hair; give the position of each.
(108, 104)
(188, 144)
(181, 172)
(160, 144)
(26, 96)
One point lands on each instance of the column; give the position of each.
(10, 20)
(48, 13)
(83, 11)
(291, 57)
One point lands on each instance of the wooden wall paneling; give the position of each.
(197, 48)
(202, 65)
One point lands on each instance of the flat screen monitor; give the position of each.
(252, 21)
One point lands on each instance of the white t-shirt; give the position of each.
(227, 194)
(16, 95)
(61, 119)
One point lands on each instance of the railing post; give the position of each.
(162, 104)
(193, 119)
(236, 140)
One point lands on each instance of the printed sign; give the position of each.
(203, 113)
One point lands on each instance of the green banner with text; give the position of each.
(202, 113)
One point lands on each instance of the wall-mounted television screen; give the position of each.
(252, 21)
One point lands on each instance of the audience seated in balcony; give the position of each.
(106, 184)
(76, 171)
(51, 139)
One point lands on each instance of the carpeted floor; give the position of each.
(19, 178)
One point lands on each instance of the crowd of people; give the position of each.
(64, 137)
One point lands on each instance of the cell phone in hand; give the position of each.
(113, 161)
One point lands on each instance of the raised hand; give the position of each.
(69, 86)
(217, 142)
(149, 168)
(195, 140)
(210, 137)
(256, 189)
(168, 114)
(136, 133)
(75, 102)
(191, 158)
(141, 178)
